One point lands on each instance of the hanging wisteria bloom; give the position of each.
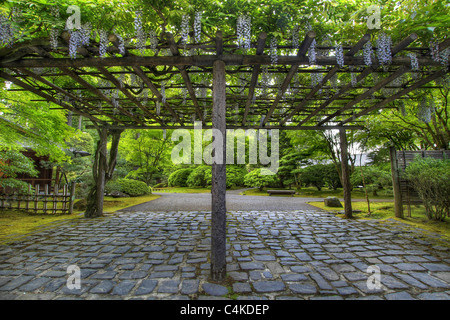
(434, 51)
(6, 32)
(414, 61)
(198, 27)
(85, 33)
(244, 30)
(295, 37)
(139, 31)
(121, 45)
(312, 53)
(367, 53)
(103, 43)
(444, 56)
(184, 28)
(316, 78)
(74, 42)
(158, 108)
(384, 54)
(273, 50)
(340, 55)
(54, 33)
(153, 39)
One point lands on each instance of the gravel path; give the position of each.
(235, 202)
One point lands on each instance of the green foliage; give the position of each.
(146, 152)
(179, 177)
(431, 179)
(321, 175)
(331, 176)
(257, 180)
(375, 178)
(235, 176)
(13, 163)
(199, 176)
(314, 176)
(133, 188)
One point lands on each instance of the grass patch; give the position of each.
(17, 223)
(325, 192)
(385, 211)
(115, 204)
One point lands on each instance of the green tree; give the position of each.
(256, 180)
(146, 151)
(431, 179)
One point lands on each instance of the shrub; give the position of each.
(199, 176)
(431, 179)
(331, 177)
(133, 188)
(179, 177)
(235, 176)
(375, 178)
(257, 180)
(314, 176)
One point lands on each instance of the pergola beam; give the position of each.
(398, 95)
(200, 61)
(187, 81)
(366, 94)
(330, 74)
(254, 80)
(127, 93)
(30, 88)
(301, 53)
(68, 94)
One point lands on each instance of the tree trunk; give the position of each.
(102, 171)
(345, 175)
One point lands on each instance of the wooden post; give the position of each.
(27, 203)
(45, 198)
(72, 197)
(345, 174)
(218, 188)
(398, 205)
(101, 170)
(36, 196)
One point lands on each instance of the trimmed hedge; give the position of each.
(179, 177)
(133, 188)
(198, 176)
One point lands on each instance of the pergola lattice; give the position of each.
(116, 101)
(129, 91)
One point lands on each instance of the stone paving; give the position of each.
(271, 255)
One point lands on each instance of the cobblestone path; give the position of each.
(271, 255)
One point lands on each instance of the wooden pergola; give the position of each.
(155, 90)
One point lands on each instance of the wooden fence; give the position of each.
(50, 200)
(403, 191)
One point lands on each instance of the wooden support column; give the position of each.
(218, 188)
(345, 174)
(398, 205)
(101, 169)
